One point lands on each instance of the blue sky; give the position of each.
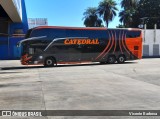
(63, 12)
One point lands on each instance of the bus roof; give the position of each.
(82, 28)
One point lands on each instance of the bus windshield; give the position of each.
(28, 33)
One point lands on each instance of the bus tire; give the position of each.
(50, 62)
(111, 59)
(121, 59)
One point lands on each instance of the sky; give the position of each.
(64, 12)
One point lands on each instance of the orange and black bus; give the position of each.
(51, 45)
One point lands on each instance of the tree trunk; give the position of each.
(107, 24)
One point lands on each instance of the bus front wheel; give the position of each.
(49, 62)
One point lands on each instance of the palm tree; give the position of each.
(107, 9)
(126, 17)
(91, 18)
(127, 4)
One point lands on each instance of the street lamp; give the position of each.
(143, 25)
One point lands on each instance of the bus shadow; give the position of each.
(9, 72)
(21, 67)
(58, 66)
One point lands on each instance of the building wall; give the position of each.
(151, 43)
(16, 32)
(18, 5)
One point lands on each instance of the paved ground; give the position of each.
(130, 86)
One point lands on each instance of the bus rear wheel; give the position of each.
(49, 62)
(121, 59)
(111, 59)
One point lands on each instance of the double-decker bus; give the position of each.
(51, 45)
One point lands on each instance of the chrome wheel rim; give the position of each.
(49, 62)
(121, 59)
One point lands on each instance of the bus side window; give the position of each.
(133, 34)
(42, 32)
(59, 42)
(58, 46)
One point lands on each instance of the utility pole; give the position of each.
(145, 27)
(155, 29)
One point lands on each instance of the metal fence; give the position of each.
(34, 22)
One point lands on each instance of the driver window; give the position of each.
(31, 51)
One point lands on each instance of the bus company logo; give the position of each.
(81, 41)
(6, 113)
(21, 113)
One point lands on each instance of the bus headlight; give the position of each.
(40, 57)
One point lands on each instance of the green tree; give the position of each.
(127, 4)
(91, 18)
(149, 12)
(136, 12)
(107, 10)
(120, 26)
(127, 15)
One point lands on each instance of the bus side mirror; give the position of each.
(18, 45)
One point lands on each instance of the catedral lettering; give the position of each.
(81, 41)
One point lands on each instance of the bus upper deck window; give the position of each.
(31, 51)
(133, 34)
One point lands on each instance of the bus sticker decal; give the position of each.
(81, 41)
(124, 44)
(25, 58)
(115, 42)
(112, 39)
(106, 48)
(120, 43)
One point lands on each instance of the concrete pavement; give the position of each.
(131, 86)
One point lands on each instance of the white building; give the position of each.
(34, 22)
(151, 43)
